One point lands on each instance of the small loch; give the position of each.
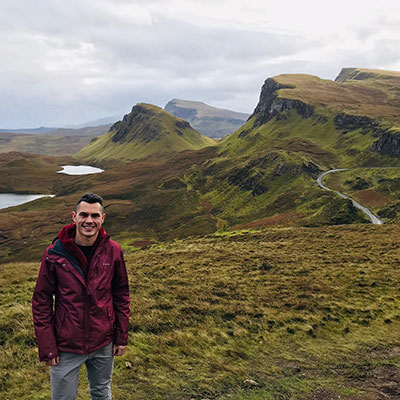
(13, 199)
(79, 170)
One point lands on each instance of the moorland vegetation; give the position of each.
(304, 307)
(304, 313)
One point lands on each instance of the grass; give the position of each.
(43, 144)
(376, 188)
(376, 97)
(304, 312)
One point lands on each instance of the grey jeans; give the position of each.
(64, 377)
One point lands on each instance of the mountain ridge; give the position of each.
(208, 120)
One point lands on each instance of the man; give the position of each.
(88, 323)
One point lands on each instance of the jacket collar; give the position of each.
(67, 239)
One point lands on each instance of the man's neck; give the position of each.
(85, 241)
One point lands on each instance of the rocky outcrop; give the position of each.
(181, 125)
(347, 74)
(138, 124)
(388, 144)
(349, 122)
(246, 180)
(271, 106)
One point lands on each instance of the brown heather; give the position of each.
(307, 313)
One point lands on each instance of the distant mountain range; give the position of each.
(211, 121)
(87, 126)
(165, 180)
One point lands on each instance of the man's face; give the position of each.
(88, 219)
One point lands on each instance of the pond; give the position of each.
(79, 170)
(12, 199)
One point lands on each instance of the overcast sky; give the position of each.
(66, 62)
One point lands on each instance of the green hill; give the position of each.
(344, 123)
(265, 172)
(211, 121)
(146, 131)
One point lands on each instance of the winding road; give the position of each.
(373, 218)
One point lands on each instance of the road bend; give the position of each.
(373, 218)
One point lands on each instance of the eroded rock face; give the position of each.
(271, 106)
(388, 144)
(353, 122)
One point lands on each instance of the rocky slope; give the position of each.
(211, 121)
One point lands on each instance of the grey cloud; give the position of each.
(67, 62)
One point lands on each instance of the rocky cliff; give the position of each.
(272, 106)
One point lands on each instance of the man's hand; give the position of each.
(53, 361)
(118, 350)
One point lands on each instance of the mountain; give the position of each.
(88, 130)
(265, 172)
(349, 122)
(106, 121)
(262, 175)
(29, 131)
(101, 121)
(211, 121)
(147, 130)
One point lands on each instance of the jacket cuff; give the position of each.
(48, 356)
(120, 339)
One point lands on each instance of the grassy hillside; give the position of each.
(306, 313)
(374, 94)
(55, 142)
(147, 131)
(376, 188)
(31, 173)
(188, 194)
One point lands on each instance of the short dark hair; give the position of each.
(90, 198)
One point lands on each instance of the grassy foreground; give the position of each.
(306, 313)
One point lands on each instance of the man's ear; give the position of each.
(73, 216)
(104, 217)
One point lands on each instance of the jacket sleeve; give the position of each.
(42, 310)
(121, 302)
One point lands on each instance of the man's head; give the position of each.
(89, 217)
(90, 198)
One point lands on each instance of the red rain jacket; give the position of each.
(89, 311)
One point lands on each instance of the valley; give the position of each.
(249, 281)
(164, 180)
